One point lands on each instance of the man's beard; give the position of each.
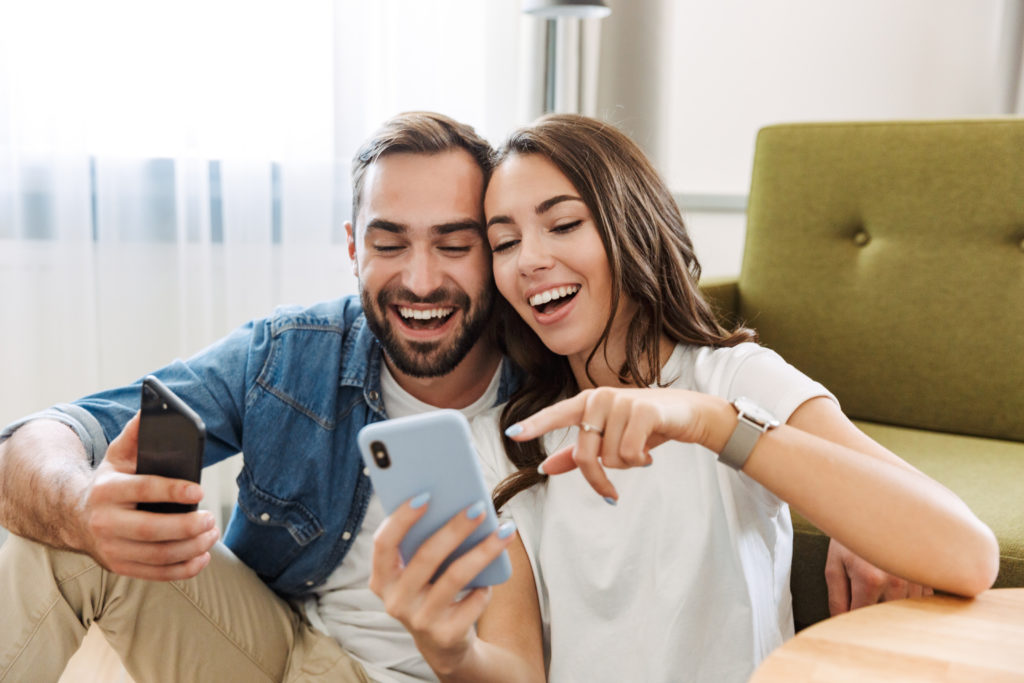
(434, 358)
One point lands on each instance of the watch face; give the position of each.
(755, 412)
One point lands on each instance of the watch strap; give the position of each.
(740, 444)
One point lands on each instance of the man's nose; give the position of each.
(423, 274)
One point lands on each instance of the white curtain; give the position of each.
(169, 170)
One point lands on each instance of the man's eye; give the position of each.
(567, 227)
(386, 248)
(456, 250)
(503, 246)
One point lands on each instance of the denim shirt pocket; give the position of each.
(271, 532)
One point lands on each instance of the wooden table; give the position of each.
(938, 638)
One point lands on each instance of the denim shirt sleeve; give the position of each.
(215, 383)
(81, 421)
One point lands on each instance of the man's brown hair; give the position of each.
(418, 132)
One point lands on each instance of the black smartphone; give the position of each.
(171, 440)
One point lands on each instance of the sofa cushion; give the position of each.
(970, 466)
(886, 261)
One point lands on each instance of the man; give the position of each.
(289, 391)
(285, 596)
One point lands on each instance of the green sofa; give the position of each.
(886, 260)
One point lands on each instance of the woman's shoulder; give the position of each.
(703, 368)
(754, 371)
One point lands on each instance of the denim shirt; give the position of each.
(290, 392)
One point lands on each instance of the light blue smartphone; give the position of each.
(432, 452)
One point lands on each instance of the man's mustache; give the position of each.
(438, 296)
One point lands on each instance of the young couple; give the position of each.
(668, 559)
(654, 561)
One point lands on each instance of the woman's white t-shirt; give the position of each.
(687, 578)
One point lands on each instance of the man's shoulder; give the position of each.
(335, 315)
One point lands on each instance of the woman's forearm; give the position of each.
(891, 515)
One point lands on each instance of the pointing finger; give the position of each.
(562, 414)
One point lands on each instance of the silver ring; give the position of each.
(586, 427)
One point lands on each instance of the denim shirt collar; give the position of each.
(362, 357)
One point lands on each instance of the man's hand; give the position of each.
(853, 582)
(145, 545)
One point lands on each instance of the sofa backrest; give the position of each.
(886, 260)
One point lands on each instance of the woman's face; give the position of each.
(549, 261)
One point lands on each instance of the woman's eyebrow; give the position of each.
(548, 203)
(543, 207)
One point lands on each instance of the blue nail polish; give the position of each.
(420, 500)
(475, 510)
(514, 430)
(506, 529)
(610, 500)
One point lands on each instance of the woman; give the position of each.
(678, 567)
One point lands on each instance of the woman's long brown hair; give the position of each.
(652, 263)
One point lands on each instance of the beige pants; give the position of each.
(223, 625)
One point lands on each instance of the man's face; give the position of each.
(423, 264)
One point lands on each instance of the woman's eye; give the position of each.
(567, 227)
(503, 246)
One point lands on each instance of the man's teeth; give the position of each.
(551, 294)
(424, 314)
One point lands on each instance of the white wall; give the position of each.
(693, 81)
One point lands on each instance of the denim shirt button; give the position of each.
(347, 535)
(366, 471)
(265, 517)
(309, 583)
(373, 395)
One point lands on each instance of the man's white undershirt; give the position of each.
(345, 607)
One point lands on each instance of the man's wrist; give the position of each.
(75, 534)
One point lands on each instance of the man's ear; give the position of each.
(350, 239)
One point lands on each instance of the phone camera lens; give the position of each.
(380, 454)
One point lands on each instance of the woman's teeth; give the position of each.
(552, 294)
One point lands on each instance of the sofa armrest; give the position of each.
(724, 296)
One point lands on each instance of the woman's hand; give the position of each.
(619, 427)
(441, 625)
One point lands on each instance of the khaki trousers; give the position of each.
(223, 625)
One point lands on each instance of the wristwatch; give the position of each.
(753, 422)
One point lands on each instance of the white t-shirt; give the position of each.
(687, 578)
(344, 607)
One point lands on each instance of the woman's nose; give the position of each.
(533, 254)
